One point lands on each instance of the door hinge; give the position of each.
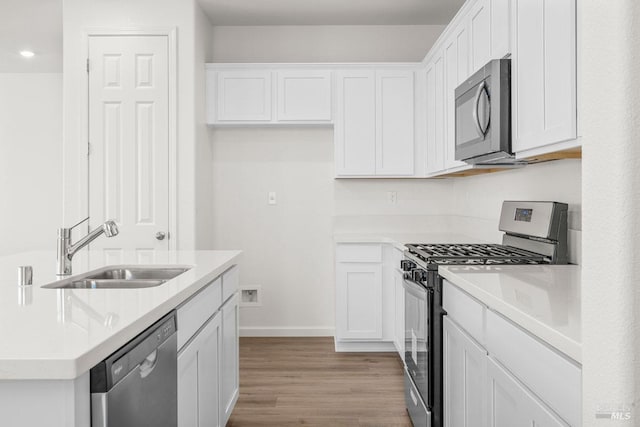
(87, 65)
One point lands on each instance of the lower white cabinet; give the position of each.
(230, 357)
(497, 373)
(198, 378)
(208, 356)
(359, 301)
(511, 405)
(465, 369)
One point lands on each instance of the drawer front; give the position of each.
(230, 282)
(195, 312)
(464, 310)
(553, 378)
(359, 253)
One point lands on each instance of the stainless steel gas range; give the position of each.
(535, 233)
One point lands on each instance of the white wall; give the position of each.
(611, 178)
(324, 43)
(477, 199)
(30, 161)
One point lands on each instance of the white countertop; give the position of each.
(62, 333)
(400, 239)
(542, 299)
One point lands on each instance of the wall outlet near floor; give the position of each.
(392, 196)
(271, 198)
(250, 296)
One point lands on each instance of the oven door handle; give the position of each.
(415, 289)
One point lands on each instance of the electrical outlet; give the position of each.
(251, 296)
(272, 198)
(392, 196)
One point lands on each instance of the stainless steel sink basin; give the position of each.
(121, 277)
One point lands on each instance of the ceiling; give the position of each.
(330, 12)
(34, 25)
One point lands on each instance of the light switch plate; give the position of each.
(272, 198)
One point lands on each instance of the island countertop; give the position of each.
(62, 333)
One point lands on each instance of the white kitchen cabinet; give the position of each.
(374, 123)
(230, 363)
(512, 405)
(198, 378)
(479, 34)
(304, 95)
(355, 123)
(435, 114)
(524, 381)
(394, 122)
(359, 301)
(500, 28)
(544, 86)
(242, 95)
(465, 370)
(456, 69)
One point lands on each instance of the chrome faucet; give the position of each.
(66, 249)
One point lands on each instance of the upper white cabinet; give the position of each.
(243, 95)
(435, 114)
(262, 94)
(479, 28)
(543, 74)
(374, 123)
(304, 95)
(355, 125)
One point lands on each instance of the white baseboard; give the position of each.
(366, 346)
(258, 331)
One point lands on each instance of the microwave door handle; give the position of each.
(476, 118)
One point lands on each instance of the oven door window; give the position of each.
(416, 309)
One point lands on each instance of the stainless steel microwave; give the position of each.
(483, 115)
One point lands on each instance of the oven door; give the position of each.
(418, 303)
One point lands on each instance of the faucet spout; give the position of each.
(66, 250)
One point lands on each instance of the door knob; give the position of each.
(160, 235)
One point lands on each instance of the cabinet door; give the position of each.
(394, 123)
(359, 301)
(435, 115)
(544, 73)
(451, 82)
(465, 369)
(500, 28)
(304, 95)
(244, 96)
(198, 378)
(355, 123)
(398, 289)
(480, 34)
(230, 374)
(511, 405)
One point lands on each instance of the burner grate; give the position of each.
(474, 253)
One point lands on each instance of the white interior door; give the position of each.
(129, 142)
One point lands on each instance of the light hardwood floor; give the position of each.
(302, 381)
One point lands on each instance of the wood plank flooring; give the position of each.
(303, 381)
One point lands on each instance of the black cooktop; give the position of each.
(473, 254)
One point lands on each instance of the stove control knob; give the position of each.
(407, 265)
(419, 275)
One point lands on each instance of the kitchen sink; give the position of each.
(121, 277)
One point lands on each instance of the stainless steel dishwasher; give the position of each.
(137, 385)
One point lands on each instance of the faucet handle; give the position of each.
(74, 226)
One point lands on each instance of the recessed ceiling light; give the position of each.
(27, 53)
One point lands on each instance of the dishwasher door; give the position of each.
(137, 386)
